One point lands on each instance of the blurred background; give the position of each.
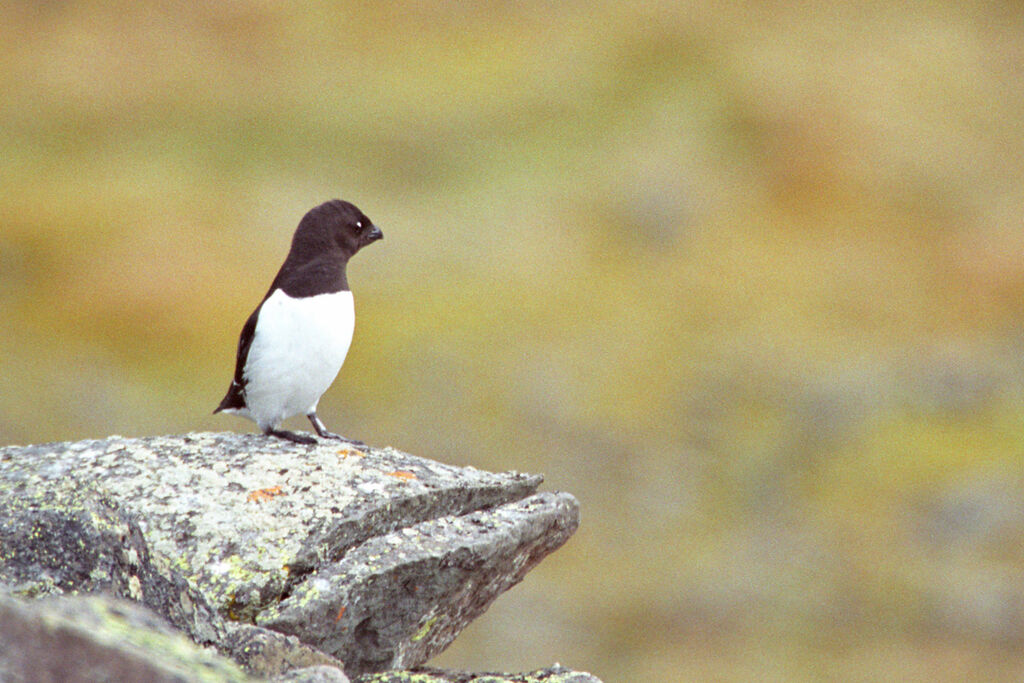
(747, 279)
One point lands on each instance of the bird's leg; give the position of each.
(322, 431)
(290, 436)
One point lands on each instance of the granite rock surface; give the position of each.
(94, 638)
(285, 557)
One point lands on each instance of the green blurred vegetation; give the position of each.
(746, 278)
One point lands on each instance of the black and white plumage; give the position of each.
(294, 343)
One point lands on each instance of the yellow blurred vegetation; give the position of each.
(745, 277)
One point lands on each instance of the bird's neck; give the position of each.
(302, 276)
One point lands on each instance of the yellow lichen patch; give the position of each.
(401, 474)
(345, 452)
(262, 495)
(422, 633)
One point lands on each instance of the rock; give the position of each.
(554, 674)
(377, 557)
(100, 639)
(373, 609)
(267, 653)
(314, 674)
(72, 537)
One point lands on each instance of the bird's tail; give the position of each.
(233, 400)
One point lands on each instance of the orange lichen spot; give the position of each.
(263, 495)
(341, 613)
(345, 452)
(401, 474)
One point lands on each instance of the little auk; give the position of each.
(294, 343)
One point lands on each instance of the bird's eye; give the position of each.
(359, 225)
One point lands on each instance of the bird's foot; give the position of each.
(291, 436)
(338, 437)
(351, 442)
(324, 433)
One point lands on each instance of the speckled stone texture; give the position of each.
(554, 674)
(374, 609)
(377, 557)
(270, 654)
(91, 639)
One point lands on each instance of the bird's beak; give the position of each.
(374, 234)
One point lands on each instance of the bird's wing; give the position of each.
(235, 398)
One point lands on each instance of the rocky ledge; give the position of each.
(293, 561)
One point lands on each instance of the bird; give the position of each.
(293, 345)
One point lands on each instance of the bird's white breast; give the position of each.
(297, 350)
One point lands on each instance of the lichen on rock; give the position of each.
(376, 556)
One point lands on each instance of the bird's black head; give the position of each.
(337, 224)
